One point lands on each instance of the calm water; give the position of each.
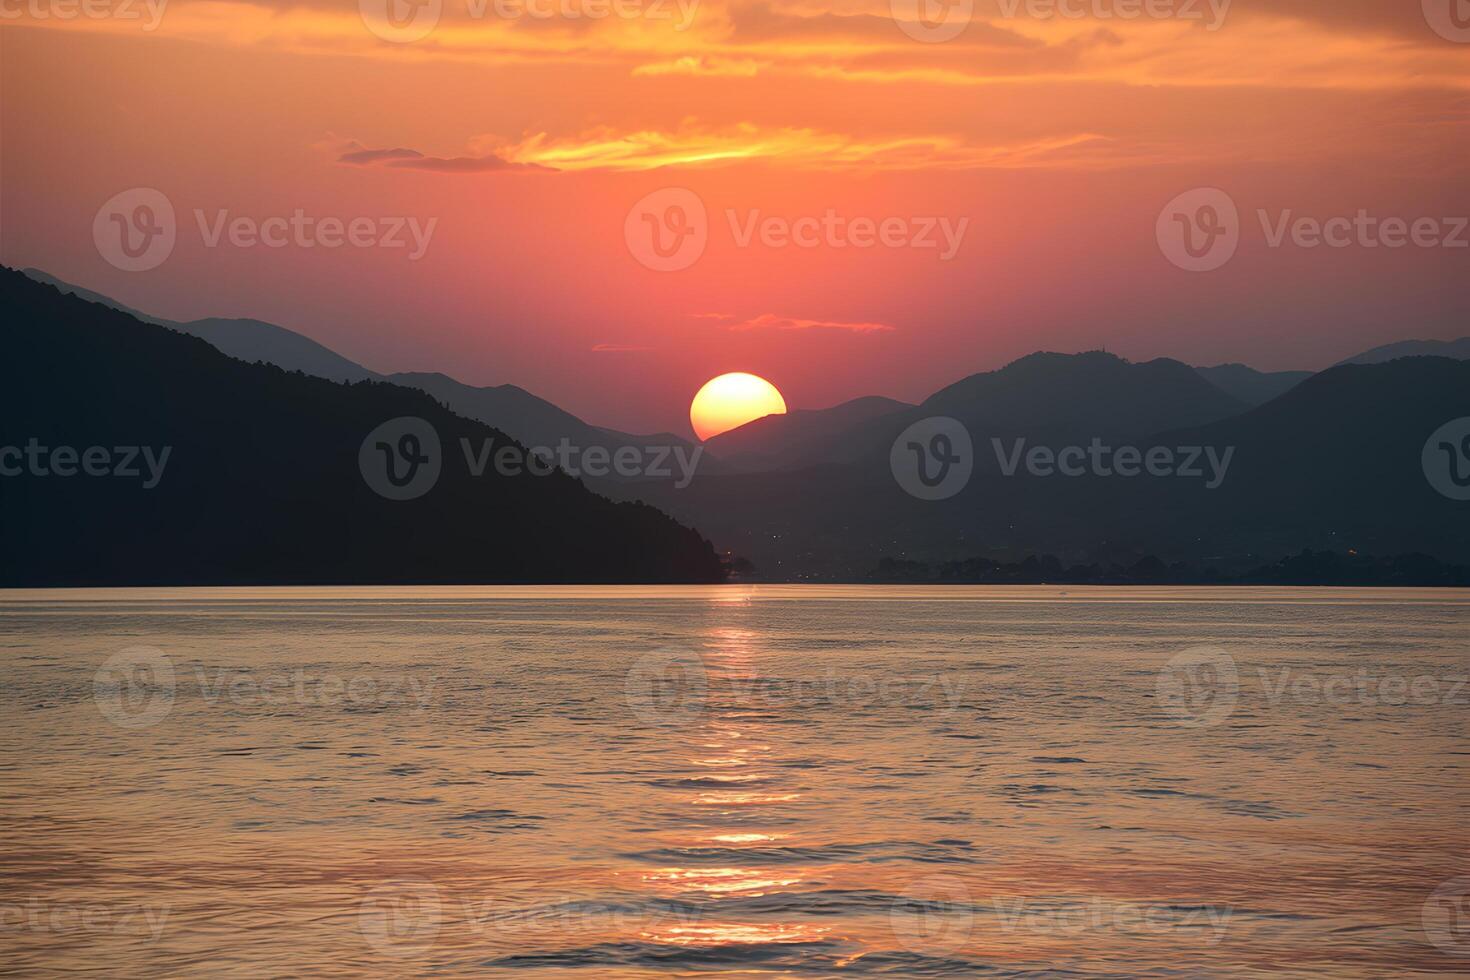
(764, 781)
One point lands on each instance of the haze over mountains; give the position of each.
(1327, 461)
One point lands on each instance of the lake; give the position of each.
(790, 781)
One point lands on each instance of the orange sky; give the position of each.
(1052, 142)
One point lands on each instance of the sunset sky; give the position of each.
(1046, 147)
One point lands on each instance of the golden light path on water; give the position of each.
(732, 660)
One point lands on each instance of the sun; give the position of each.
(732, 400)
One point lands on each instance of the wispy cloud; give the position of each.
(696, 145)
(772, 321)
(403, 158)
(617, 348)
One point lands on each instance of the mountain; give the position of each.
(1095, 393)
(247, 340)
(1249, 385)
(1331, 465)
(799, 438)
(1338, 459)
(256, 340)
(91, 297)
(246, 473)
(1457, 349)
(530, 420)
(533, 421)
(1045, 395)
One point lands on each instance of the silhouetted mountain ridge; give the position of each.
(262, 482)
(1249, 385)
(532, 420)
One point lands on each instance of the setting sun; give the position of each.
(730, 401)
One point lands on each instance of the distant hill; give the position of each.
(1331, 465)
(1249, 385)
(1095, 392)
(256, 340)
(262, 483)
(91, 297)
(247, 340)
(533, 421)
(803, 437)
(1456, 349)
(1046, 395)
(515, 411)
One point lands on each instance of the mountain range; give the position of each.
(135, 454)
(1332, 465)
(1326, 461)
(531, 420)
